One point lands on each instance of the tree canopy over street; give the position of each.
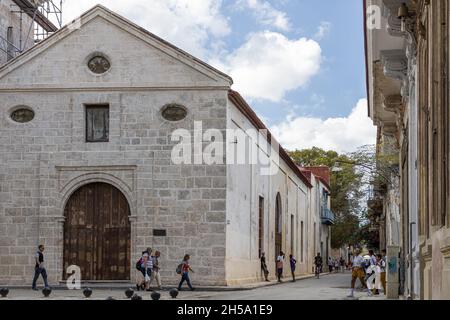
(352, 176)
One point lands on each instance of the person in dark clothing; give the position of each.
(293, 262)
(39, 268)
(264, 267)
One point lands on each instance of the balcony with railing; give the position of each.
(327, 216)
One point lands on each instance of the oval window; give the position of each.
(99, 64)
(174, 112)
(22, 115)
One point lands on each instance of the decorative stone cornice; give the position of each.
(389, 129)
(393, 103)
(395, 64)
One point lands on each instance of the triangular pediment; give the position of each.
(138, 59)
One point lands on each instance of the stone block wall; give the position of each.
(44, 161)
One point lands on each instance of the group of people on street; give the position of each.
(149, 266)
(336, 264)
(279, 266)
(370, 270)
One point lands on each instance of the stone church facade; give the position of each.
(86, 120)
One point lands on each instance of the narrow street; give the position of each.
(328, 287)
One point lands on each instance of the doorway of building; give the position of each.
(278, 226)
(97, 233)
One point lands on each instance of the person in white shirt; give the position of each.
(155, 271)
(371, 272)
(379, 269)
(357, 271)
(147, 265)
(280, 260)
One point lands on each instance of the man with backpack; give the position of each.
(145, 266)
(39, 268)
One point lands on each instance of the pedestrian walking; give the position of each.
(39, 268)
(330, 264)
(141, 267)
(357, 271)
(184, 269)
(264, 267)
(342, 263)
(280, 260)
(155, 271)
(147, 267)
(318, 263)
(383, 271)
(380, 266)
(370, 266)
(336, 265)
(292, 262)
(370, 275)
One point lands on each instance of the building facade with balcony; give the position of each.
(322, 218)
(407, 55)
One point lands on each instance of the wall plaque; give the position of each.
(159, 233)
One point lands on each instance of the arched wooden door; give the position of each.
(278, 226)
(97, 233)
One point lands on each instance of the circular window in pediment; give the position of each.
(22, 114)
(174, 112)
(99, 64)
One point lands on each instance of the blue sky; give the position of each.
(299, 63)
(340, 83)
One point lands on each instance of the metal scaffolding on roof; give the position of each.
(46, 18)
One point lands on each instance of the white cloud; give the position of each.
(269, 65)
(266, 14)
(323, 30)
(339, 134)
(195, 26)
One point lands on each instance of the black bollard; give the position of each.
(87, 292)
(4, 292)
(46, 292)
(136, 297)
(155, 295)
(173, 293)
(129, 293)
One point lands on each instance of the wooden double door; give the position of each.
(97, 233)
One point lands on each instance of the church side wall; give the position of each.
(246, 184)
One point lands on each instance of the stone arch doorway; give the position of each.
(278, 226)
(97, 233)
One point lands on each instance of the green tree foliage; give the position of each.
(345, 178)
(347, 194)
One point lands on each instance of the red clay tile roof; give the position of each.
(323, 174)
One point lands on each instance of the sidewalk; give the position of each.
(125, 285)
